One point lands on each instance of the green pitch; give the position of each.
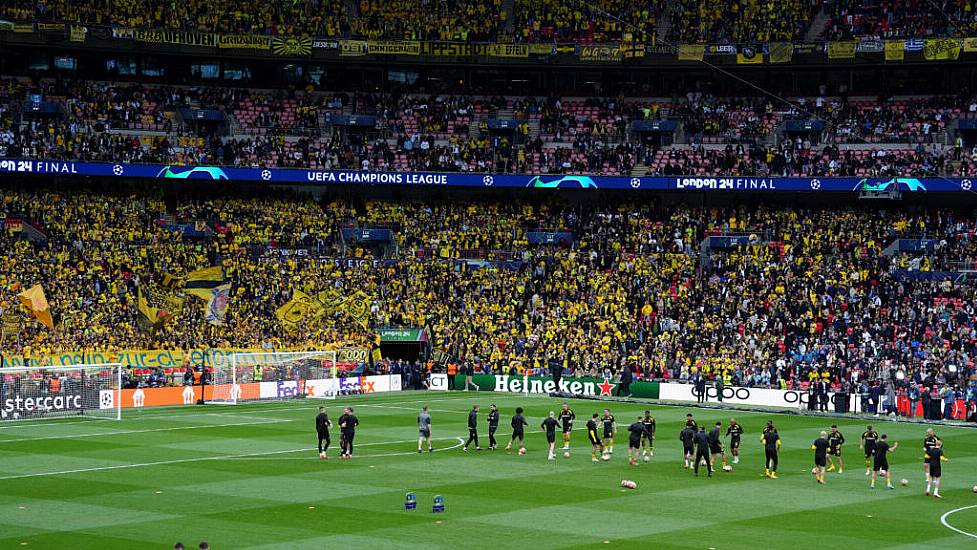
(249, 477)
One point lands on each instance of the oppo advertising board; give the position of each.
(766, 397)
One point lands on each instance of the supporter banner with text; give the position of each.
(390, 47)
(351, 177)
(841, 50)
(244, 42)
(178, 38)
(162, 358)
(352, 48)
(293, 47)
(942, 49)
(601, 53)
(895, 50)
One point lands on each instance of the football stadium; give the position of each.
(506, 274)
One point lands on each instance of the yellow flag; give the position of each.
(895, 50)
(841, 50)
(691, 52)
(942, 49)
(358, 307)
(36, 303)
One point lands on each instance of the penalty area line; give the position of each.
(952, 528)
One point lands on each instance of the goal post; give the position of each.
(47, 392)
(250, 376)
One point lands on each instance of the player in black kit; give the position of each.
(869, 438)
(610, 428)
(929, 442)
(836, 440)
(734, 432)
(493, 424)
(347, 432)
(322, 425)
(934, 456)
(820, 448)
(472, 429)
(597, 447)
(648, 440)
(566, 418)
(549, 425)
(771, 448)
(518, 431)
(716, 445)
(702, 451)
(636, 432)
(881, 461)
(687, 436)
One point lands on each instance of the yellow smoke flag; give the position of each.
(36, 303)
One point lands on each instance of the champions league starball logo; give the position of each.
(192, 173)
(562, 182)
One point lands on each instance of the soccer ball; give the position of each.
(322, 455)
(566, 454)
(975, 488)
(904, 482)
(647, 458)
(522, 451)
(727, 468)
(606, 456)
(628, 484)
(814, 471)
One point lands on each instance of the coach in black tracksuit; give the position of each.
(322, 425)
(473, 428)
(493, 424)
(702, 450)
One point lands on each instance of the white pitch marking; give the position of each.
(952, 528)
(405, 453)
(187, 460)
(128, 432)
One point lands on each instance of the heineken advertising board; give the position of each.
(588, 387)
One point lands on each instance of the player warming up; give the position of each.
(597, 448)
(835, 441)
(424, 429)
(549, 426)
(347, 432)
(771, 448)
(648, 440)
(820, 448)
(935, 457)
(322, 425)
(734, 432)
(929, 442)
(472, 429)
(636, 432)
(566, 418)
(716, 445)
(881, 462)
(869, 438)
(687, 437)
(493, 425)
(610, 428)
(518, 431)
(702, 451)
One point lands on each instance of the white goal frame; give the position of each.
(116, 391)
(240, 363)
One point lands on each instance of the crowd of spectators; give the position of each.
(127, 122)
(533, 21)
(812, 292)
(906, 19)
(741, 22)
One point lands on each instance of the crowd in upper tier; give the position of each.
(534, 21)
(813, 292)
(128, 122)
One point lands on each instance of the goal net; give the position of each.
(39, 393)
(246, 376)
